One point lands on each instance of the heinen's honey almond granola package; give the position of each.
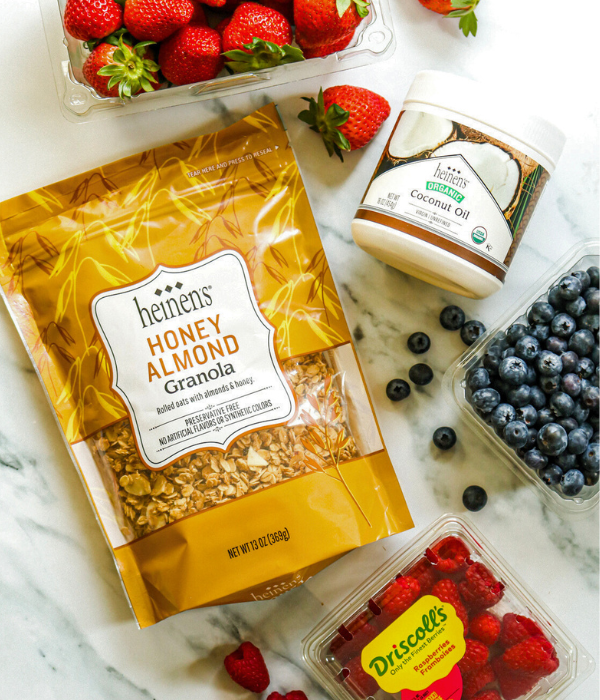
(181, 315)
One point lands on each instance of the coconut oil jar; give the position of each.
(456, 185)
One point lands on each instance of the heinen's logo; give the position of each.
(179, 304)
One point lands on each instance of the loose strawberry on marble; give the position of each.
(465, 9)
(92, 19)
(247, 668)
(192, 54)
(155, 20)
(292, 695)
(486, 628)
(516, 628)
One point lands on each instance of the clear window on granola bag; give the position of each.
(181, 314)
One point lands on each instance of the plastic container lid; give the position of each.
(472, 99)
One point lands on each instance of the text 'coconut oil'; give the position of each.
(456, 185)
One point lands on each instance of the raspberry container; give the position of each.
(580, 257)
(373, 41)
(404, 624)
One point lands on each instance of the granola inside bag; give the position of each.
(180, 311)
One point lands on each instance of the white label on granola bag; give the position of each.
(446, 196)
(193, 358)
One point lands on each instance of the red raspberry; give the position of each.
(247, 667)
(512, 685)
(516, 628)
(476, 655)
(397, 598)
(425, 574)
(353, 637)
(480, 589)
(447, 591)
(477, 681)
(534, 656)
(449, 555)
(486, 695)
(359, 680)
(292, 695)
(485, 627)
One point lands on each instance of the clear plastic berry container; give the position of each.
(388, 625)
(373, 41)
(580, 257)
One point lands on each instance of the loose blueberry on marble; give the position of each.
(474, 498)
(444, 438)
(452, 318)
(397, 389)
(418, 343)
(552, 439)
(572, 482)
(471, 331)
(420, 374)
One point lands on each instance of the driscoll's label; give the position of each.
(418, 650)
(457, 183)
(192, 357)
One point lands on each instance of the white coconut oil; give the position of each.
(456, 185)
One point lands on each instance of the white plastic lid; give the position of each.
(474, 100)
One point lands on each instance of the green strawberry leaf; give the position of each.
(261, 54)
(468, 24)
(130, 70)
(362, 7)
(326, 123)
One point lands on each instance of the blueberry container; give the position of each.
(373, 41)
(580, 257)
(413, 653)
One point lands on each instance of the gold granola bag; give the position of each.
(181, 314)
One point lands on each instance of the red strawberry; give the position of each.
(512, 685)
(480, 589)
(286, 7)
(216, 3)
(156, 19)
(92, 19)
(122, 70)
(449, 555)
(247, 668)
(353, 637)
(347, 117)
(327, 49)
(425, 574)
(465, 9)
(533, 656)
(359, 680)
(486, 628)
(292, 695)
(485, 695)
(222, 26)
(476, 655)
(476, 681)
(322, 22)
(516, 628)
(447, 591)
(397, 599)
(192, 54)
(198, 17)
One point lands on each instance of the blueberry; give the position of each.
(578, 441)
(540, 331)
(594, 357)
(420, 374)
(501, 386)
(444, 438)
(418, 343)
(571, 384)
(508, 352)
(568, 423)
(548, 364)
(556, 345)
(562, 404)
(516, 434)
(551, 475)
(492, 357)
(485, 399)
(581, 342)
(537, 398)
(531, 439)
(576, 307)
(478, 378)
(515, 332)
(527, 414)
(566, 461)
(500, 341)
(570, 362)
(474, 498)
(587, 429)
(563, 325)
(552, 439)
(513, 370)
(550, 384)
(502, 415)
(534, 459)
(590, 478)
(588, 322)
(531, 377)
(590, 459)
(570, 288)
(595, 380)
(590, 397)
(452, 318)
(519, 395)
(592, 297)
(397, 389)
(555, 298)
(471, 331)
(545, 416)
(583, 277)
(580, 413)
(586, 368)
(540, 312)
(593, 275)
(527, 348)
(572, 482)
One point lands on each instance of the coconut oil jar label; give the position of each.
(193, 358)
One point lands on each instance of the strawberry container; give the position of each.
(373, 40)
(580, 257)
(400, 633)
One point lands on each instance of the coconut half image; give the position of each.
(418, 132)
(498, 170)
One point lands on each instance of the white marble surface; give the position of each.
(65, 628)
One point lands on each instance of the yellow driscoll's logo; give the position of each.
(419, 648)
